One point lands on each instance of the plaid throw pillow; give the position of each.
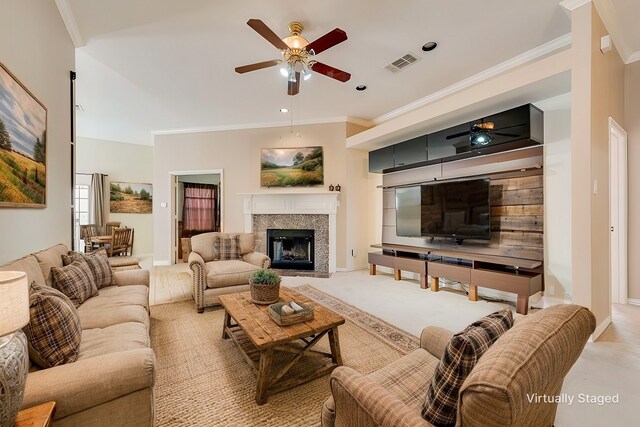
(75, 281)
(54, 331)
(98, 263)
(227, 247)
(459, 358)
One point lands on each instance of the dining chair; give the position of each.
(109, 226)
(87, 231)
(120, 240)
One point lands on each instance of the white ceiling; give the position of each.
(151, 65)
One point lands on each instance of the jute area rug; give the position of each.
(203, 380)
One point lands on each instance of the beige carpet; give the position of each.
(203, 380)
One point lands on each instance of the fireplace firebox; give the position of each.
(291, 249)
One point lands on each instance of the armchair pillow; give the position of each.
(227, 248)
(76, 281)
(54, 331)
(459, 358)
(98, 264)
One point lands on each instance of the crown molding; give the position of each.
(338, 119)
(70, 22)
(573, 4)
(635, 56)
(538, 52)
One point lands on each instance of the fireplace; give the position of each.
(291, 249)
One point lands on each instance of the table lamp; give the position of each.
(14, 357)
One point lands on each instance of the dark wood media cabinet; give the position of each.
(517, 275)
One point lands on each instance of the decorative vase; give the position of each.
(338, 188)
(330, 187)
(14, 366)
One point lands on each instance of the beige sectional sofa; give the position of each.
(211, 278)
(111, 383)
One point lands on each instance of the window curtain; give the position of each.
(199, 211)
(97, 198)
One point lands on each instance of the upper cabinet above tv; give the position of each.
(509, 130)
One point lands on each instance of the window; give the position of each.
(81, 212)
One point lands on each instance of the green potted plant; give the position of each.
(265, 286)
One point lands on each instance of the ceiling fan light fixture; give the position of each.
(480, 138)
(284, 70)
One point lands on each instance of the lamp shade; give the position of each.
(14, 301)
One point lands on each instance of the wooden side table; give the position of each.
(36, 416)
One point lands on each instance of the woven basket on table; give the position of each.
(264, 294)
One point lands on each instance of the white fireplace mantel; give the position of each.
(289, 203)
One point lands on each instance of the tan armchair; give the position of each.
(533, 357)
(211, 278)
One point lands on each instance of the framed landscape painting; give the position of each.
(126, 197)
(291, 167)
(23, 145)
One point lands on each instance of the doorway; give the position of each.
(618, 211)
(197, 206)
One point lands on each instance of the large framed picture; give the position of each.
(127, 197)
(291, 167)
(23, 145)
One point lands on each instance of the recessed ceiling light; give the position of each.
(361, 88)
(284, 110)
(429, 46)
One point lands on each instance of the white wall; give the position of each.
(36, 48)
(237, 153)
(557, 204)
(123, 162)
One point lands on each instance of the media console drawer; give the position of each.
(520, 283)
(457, 273)
(413, 265)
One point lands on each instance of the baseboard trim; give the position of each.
(600, 328)
(161, 262)
(633, 301)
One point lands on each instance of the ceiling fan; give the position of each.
(296, 51)
(481, 133)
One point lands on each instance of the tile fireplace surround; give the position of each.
(309, 210)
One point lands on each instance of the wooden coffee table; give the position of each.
(259, 337)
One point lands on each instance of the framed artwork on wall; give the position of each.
(23, 145)
(291, 167)
(127, 197)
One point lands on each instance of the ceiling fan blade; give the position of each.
(512, 135)
(266, 32)
(457, 135)
(329, 71)
(330, 39)
(256, 66)
(294, 87)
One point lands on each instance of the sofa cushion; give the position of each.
(50, 258)
(75, 280)
(221, 274)
(29, 265)
(98, 263)
(92, 317)
(459, 358)
(227, 248)
(114, 297)
(113, 339)
(54, 332)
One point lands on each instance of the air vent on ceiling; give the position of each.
(402, 63)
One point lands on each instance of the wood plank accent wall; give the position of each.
(517, 216)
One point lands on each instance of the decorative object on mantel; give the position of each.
(291, 167)
(14, 360)
(338, 188)
(331, 187)
(288, 313)
(265, 286)
(23, 145)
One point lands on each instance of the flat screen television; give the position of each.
(458, 210)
